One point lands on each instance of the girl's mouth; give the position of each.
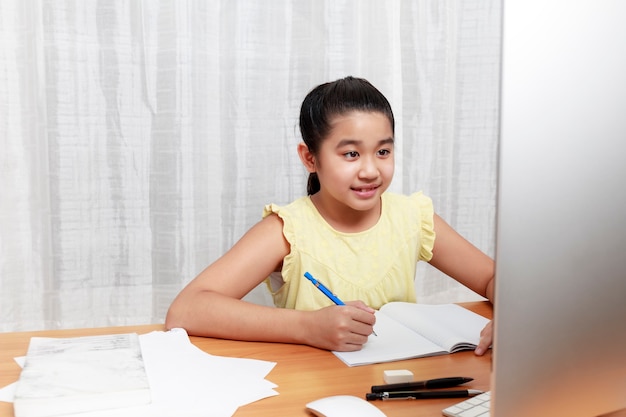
(365, 192)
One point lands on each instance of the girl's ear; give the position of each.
(307, 158)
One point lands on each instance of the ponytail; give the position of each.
(313, 184)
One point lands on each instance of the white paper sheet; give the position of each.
(7, 393)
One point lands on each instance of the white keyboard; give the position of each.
(477, 406)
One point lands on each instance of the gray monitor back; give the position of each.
(560, 309)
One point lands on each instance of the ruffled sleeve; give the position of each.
(427, 227)
(288, 230)
(289, 217)
(280, 283)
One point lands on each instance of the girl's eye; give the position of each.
(351, 154)
(384, 152)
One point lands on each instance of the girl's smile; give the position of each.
(366, 192)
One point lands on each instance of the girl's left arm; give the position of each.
(458, 258)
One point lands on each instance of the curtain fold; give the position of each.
(140, 139)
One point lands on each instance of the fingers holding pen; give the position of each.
(369, 318)
(361, 305)
(356, 321)
(365, 318)
(341, 328)
(354, 326)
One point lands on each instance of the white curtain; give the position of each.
(140, 139)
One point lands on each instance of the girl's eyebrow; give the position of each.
(348, 142)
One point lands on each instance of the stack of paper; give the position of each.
(187, 382)
(77, 374)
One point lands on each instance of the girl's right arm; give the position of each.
(210, 305)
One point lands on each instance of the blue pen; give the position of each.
(327, 292)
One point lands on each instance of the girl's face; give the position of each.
(355, 163)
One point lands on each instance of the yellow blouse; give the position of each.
(376, 266)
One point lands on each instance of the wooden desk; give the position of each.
(302, 373)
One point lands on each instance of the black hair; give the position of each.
(332, 99)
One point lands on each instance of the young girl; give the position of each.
(361, 242)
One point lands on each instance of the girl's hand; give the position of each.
(340, 328)
(486, 339)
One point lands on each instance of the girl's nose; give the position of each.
(369, 168)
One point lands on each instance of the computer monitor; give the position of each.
(560, 307)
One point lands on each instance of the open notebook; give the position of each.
(409, 330)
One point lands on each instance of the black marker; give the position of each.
(429, 384)
(419, 395)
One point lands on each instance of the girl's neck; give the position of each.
(345, 219)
